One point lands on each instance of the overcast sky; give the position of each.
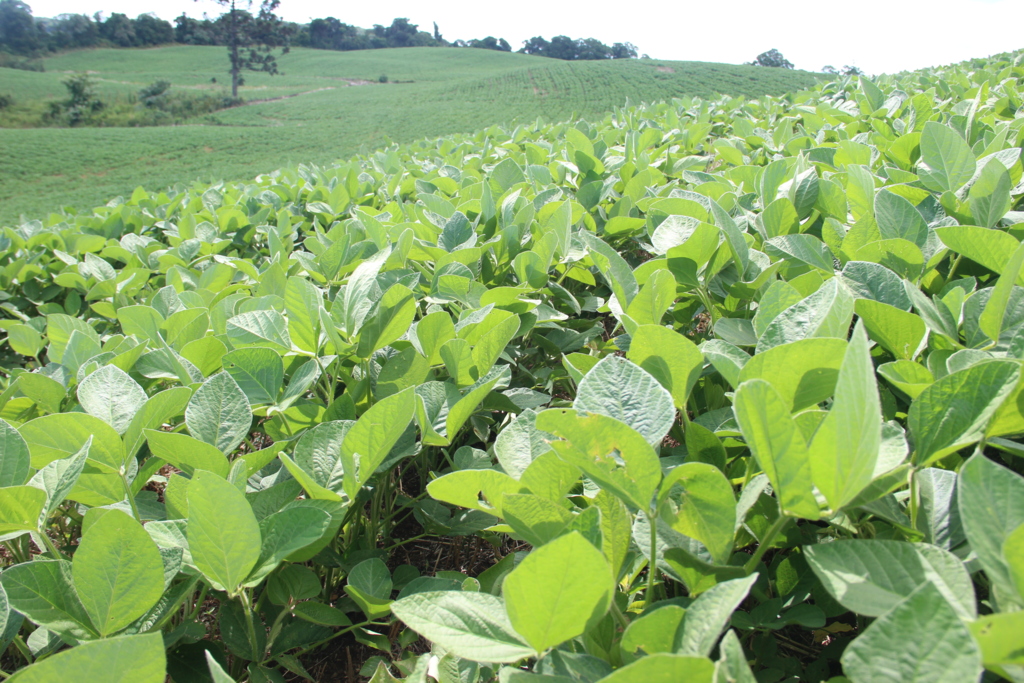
(879, 36)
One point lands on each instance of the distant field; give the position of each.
(320, 116)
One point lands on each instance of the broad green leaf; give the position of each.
(481, 490)
(623, 390)
(845, 447)
(44, 592)
(432, 331)
(954, 411)
(160, 409)
(368, 442)
(302, 303)
(899, 219)
(395, 312)
(53, 437)
(284, 533)
(370, 586)
(803, 373)
(669, 357)
(356, 301)
(259, 328)
(706, 510)
(989, 248)
(991, 504)
(520, 443)
(537, 520)
(778, 445)
(870, 576)
(654, 299)
(946, 160)
(709, 615)
(127, 659)
(223, 535)
(59, 479)
(664, 667)
(732, 665)
(613, 268)
(470, 625)
(990, 194)
(111, 395)
(993, 316)
(15, 459)
(258, 371)
(825, 313)
(612, 454)
(558, 591)
(20, 508)
(901, 333)
(465, 407)
(1013, 553)
(998, 636)
(654, 631)
(909, 377)
(920, 640)
(219, 413)
(186, 453)
(117, 571)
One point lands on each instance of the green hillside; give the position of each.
(320, 116)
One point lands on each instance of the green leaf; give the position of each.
(654, 631)
(612, 454)
(709, 615)
(258, 371)
(15, 459)
(845, 447)
(43, 591)
(219, 413)
(993, 315)
(394, 314)
(470, 625)
(302, 302)
(613, 268)
(778, 445)
(869, 576)
(990, 194)
(111, 395)
(954, 411)
(20, 508)
(223, 534)
(58, 479)
(991, 504)
(53, 437)
(370, 586)
(186, 453)
(520, 443)
(369, 441)
(537, 520)
(899, 219)
(825, 313)
(654, 299)
(921, 640)
(803, 373)
(558, 591)
(622, 390)
(732, 666)
(669, 357)
(989, 248)
(901, 333)
(127, 659)
(465, 407)
(283, 533)
(706, 510)
(432, 331)
(1013, 553)
(117, 571)
(998, 636)
(946, 160)
(665, 668)
(481, 490)
(161, 408)
(259, 328)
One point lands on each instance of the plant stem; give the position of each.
(912, 504)
(244, 598)
(57, 555)
(652, 565)
(773, 531)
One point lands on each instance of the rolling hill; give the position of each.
(326, 106)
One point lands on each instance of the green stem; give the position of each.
(619, 616)
(131, 498)
(652, 566)
(20, 645)
(769, 537)
(952, 269)
(247, 608)
(912, 504)
(199, 602)
(347, 629)
(57, 555)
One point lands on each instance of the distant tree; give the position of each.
(829, 69)
(401, 33)
(535, 46)
(624, 51)
(152, 30)
(773, 58)
(189, 31)
(491, 43)
(69, 31)
(851, 71)
(18, 32)
(119, 30)
(251, 40)
(562, 47)
(437, 34)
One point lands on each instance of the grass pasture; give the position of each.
(311, 113)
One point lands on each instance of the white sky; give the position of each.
(876, 35)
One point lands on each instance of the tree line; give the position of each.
(24, 35)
